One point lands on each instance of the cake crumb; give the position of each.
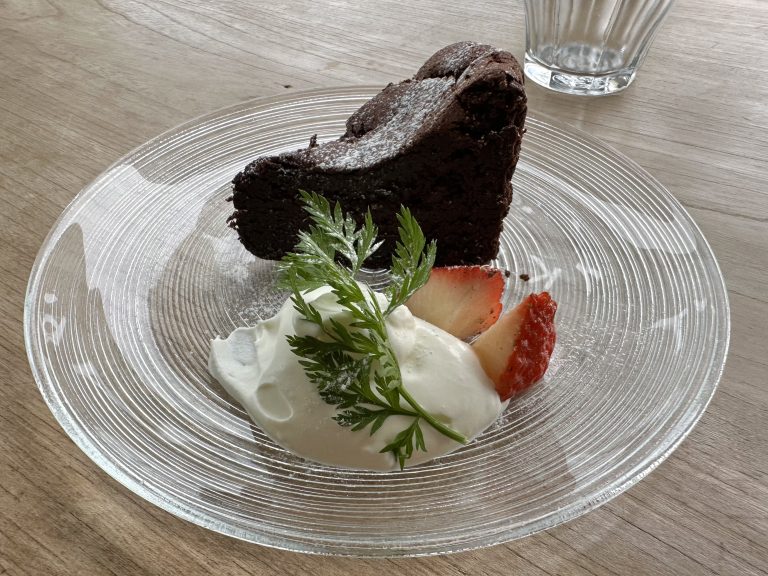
(524, 277)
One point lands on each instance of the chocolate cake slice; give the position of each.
(444, 143)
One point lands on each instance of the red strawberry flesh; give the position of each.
(515, 352)
(462, 300)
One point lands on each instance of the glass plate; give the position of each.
(141, 271)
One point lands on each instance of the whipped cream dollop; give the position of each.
(257, 367)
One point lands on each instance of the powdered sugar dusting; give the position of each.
(453, 60)
(412, 107)
(462, 58)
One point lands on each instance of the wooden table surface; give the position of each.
(82, 82)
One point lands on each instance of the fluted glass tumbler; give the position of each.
(589, 47)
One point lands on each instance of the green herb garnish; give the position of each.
(353, 365)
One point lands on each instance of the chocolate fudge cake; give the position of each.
(444, 143)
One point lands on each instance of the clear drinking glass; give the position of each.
(590, 47)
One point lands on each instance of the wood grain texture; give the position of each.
(84, 81)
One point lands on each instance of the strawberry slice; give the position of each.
(515, 351)
(462, 300)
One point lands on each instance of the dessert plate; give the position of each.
(141, 271)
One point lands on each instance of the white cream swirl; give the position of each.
(441, 372)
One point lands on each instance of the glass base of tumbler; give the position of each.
(573, 83)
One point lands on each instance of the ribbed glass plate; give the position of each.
(141, 271)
